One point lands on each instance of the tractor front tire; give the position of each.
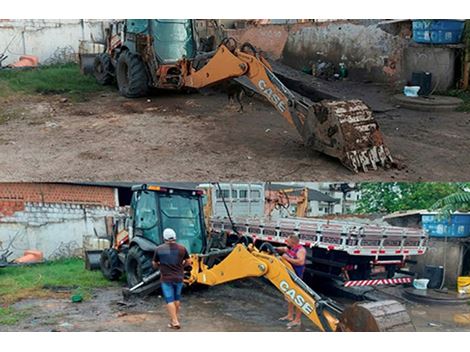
(131, 75)
(110, 264)
(138, 266)
(103, 69)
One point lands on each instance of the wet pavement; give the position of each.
(248, 305)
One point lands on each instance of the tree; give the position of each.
(454, 202)
(389, 197)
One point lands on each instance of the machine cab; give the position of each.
(172, 40)
(154, 208)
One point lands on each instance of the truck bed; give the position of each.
(356, 239)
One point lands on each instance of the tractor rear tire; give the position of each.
(131, 75)
(138, 266)
(103, 69)
(110, 264)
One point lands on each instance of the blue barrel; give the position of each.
(438, 31)
(457, 226)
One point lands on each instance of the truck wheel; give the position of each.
(131, 75)
(110, 264)
(391, 269)
(138, 266)
(103, 69)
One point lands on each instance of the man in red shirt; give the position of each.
(171, 258)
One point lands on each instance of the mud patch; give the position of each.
(195, 137)
(90, 156)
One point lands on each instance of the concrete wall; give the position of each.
(448, 254)
(440, 61)
(371, 50)
(269, 38)
(51, 40)
(368, 51)
(58, 230)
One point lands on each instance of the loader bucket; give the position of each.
(380, 316)
(346, 130)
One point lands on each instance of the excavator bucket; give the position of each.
(346, 130)
(381, 316)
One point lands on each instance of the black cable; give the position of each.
(287, 197)
(226, 209)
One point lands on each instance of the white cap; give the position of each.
(169, 234)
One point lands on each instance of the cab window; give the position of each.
(146, 219)
(182, 214)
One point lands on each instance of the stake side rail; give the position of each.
(355, 239)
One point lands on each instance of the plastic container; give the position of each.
(435, 275)
(438, 31)
(423, 80)
(420, 284)
(76, 298)
(463, 285)
(411, 91)
(457, 226)
(30, 256)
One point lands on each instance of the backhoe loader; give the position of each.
(155, 207)
(163, 54)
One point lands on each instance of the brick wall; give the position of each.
(9, 207)
(13, 194)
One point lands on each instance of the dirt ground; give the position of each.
(249, 305)
(188, 137)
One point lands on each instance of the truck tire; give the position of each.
(103, 69)
(131, 75)
(110, 265)
(138, 266)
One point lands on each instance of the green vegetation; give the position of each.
(63, 79)
(388, 197)
(454, 202)
(10, 316)
(59, 279)
(462, 94)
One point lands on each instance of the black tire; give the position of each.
(138, 266)
(110, 264)
(363, 272)
(131, 75)
(391, 269)
(103, 69)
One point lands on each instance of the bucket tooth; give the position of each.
(348, 131)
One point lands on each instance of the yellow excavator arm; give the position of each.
(243, 262)
(247, 261)
(342, 129)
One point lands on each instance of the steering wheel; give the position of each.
(245, 240)
(268, 247)
(248, 48)
(230, 43)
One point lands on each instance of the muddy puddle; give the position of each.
(247, 305)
